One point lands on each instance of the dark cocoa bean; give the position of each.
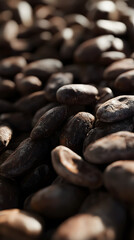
(26, 156)
(116, 109)
(80, 94)
(74, 169)
(56, 81)
(16, 224)
(9, 67)
(43, 68)
(58, 200)
(75, 131)
(111, 148)
(118, 179)
(49, 122)
(91, 50)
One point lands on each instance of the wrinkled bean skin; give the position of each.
(41, 112)
(116, 109)
(111, 148)
(77, 94)
(59, 200)
(49, 122)
(75, 130)
(52, 120)
(26, 156)
(118, 179)
(107, 128)
(74, 169)
(103, 218)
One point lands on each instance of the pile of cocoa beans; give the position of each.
(66, 120)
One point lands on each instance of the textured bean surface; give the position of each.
(75, 131)
(116, 109)
(74, 169)
(27, 155)
(111, 148)
(43, 110)
(66, 119)
(105, 129)
(49, 122)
